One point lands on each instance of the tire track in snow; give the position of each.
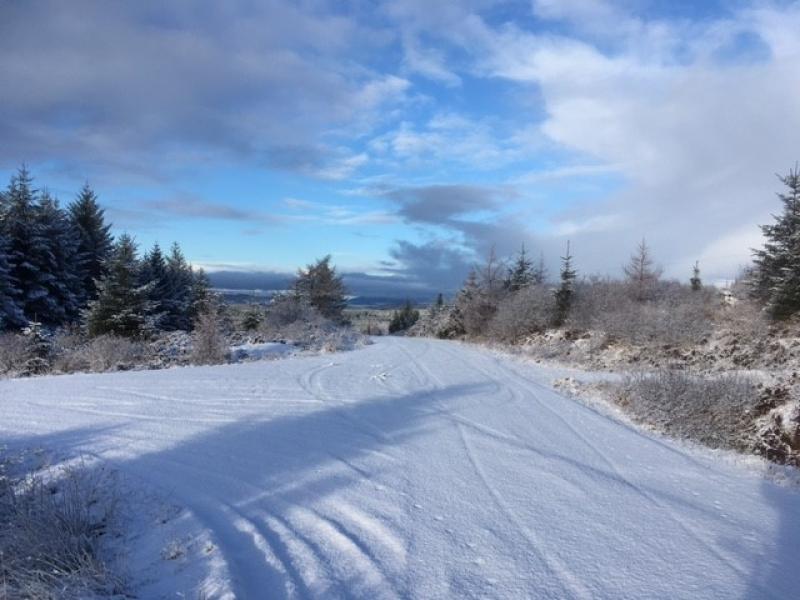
(569, 582)
(310, 383)
(712, 547)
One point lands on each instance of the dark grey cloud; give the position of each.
(150, 85)
(440, 204)
(363, 285)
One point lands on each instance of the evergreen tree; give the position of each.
(404, 318)
(322, 288)
(642, 275)
(252, 318)
(121, 306)
(439, 301)
(521, 272)
(60, 263)
(94, 240)
(566, 291)
(29, 250)
(38, 350)
(776, 273)
(153, 274)
(178, 303)
(201, 294)
(11, 315)
(695, 281)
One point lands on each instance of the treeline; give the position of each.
(61, 266)
(511, 301)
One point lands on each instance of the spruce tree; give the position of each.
(404, 318)
(566, 291)
(28, 247)
(201, 294)
(521, 272)
(252, 317)
(121, 306)
(178, 301)
(11, 315)
(61, 263)
(322, 288)
(641, 273)
(776, 274)
(94, 240)
(153, 274)
(695, 281)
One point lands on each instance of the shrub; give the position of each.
(51, 531)
(286, 309)
(13, 353)
(675, 314)
(719, 411)
(100, 354)
(528, 311)
(208, 342)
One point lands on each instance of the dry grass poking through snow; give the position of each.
(53, 524)
(719, 411)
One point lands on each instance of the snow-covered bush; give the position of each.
(52, 528)
(37, 350)
(675, 314)
(530, 310)
(208, 342)
(719, 411)
(13, 350)
(99, 354)
(286, 309)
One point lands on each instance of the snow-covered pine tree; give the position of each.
(565, 293)
(179, 297)
(521, 273)
(61, 262)
(153, 274)
(38, 350)
(121, 306)
(404, 318)
(775, 278)
(695, 281)
(322, 288)
(201, 293)
(11, 315)
(94, 240)
(465, 299)
(28, 247)
(641, 273)
(252, 317)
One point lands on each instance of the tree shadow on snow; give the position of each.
(253, 474)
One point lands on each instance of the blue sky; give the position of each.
(406, 138)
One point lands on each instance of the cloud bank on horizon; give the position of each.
(406, 138)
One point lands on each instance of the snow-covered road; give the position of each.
(422, 469)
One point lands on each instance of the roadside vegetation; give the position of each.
(74, 299)
(55, 525)
(686, 344)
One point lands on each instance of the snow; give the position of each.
(260, 351)
(410, 468)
